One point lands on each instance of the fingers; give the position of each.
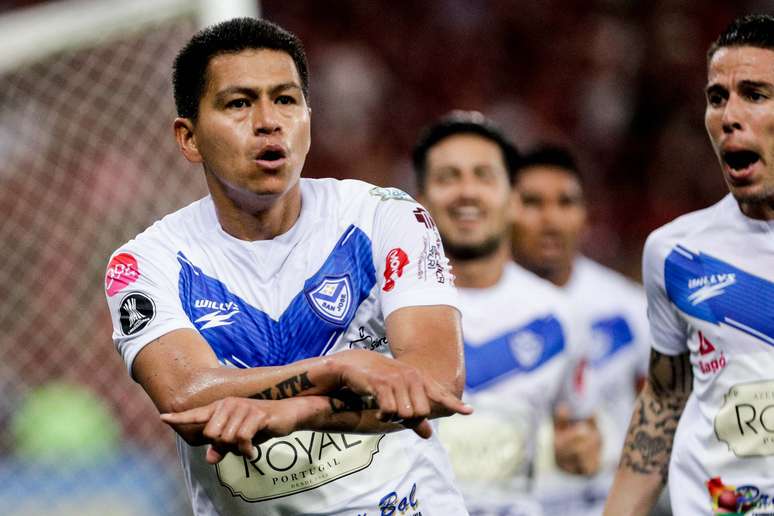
(578, 447)
(195, 415)
(388, 405)
(230, 425)
(455, 405)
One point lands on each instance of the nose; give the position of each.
(265, 119)
(732, 116)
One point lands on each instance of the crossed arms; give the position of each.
(352, 391)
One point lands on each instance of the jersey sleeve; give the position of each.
(142, 296)
(411, 267)
(576, 389)
(668, 332)
(642, 339)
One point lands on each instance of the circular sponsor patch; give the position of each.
(136, 311)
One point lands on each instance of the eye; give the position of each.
(531, 201)
(238, 103)
(285, 99)
(714, 98)
(756, 96)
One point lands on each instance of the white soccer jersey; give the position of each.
(709, 277)
(521, 357)
(612, 309)
(356, 254)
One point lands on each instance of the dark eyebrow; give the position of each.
(755, 85)
(254, 92)
(712, 88)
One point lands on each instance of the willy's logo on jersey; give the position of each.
(332, 299)
(122, 271)
(709, 286)
(396, 260)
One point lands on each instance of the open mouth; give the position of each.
(271, 154)
(740, 160)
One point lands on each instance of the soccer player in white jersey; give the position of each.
(547, 235)
(281, 312)
(520, 344)
(709, 278)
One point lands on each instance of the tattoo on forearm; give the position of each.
(287, 388)
(348, 401)
(648, 445)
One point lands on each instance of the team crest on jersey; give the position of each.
(527, 347)
(332, 299)
(388, 193)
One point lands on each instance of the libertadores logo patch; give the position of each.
(122, 271)
(136, 311)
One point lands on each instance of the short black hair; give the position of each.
(189, 76)
(754, 30)
(461, 122)
(550, 155)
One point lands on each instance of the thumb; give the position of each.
(214, 455)
(562, 416)
(421, 427)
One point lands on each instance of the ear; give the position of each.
(186, 140)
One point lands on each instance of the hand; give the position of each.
(236, 424)
(402, 392)
(577, 443)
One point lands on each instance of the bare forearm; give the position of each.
(308, 377)
(644, 464)
(180, 371)
(342, 412)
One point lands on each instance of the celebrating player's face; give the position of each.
(253, 128)
(549, 219)
(468, 193)
(740, 122)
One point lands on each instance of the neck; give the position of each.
(481, 272)
(251, 217)
(559, 275)
(761, 210)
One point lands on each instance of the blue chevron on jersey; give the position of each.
(247, 337)
(611, 335)
(712, 290)
(518, 351)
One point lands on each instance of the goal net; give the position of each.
(87, 160)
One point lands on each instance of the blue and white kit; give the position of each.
(709, 278)
(522, 357)
(356, 254)
(612, 309)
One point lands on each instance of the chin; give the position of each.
(752, 194)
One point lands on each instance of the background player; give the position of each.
(547, 236)
(279, 279)
(521, 350)
(709, 278)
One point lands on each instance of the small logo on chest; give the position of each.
(332, 299)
